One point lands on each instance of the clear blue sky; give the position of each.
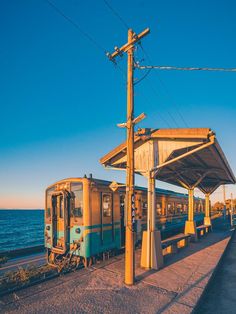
(61, 97)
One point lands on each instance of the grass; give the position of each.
(3, 260)
(24, 276)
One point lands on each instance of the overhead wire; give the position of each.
(84, 33)
(158, 96)
(123, 22)
(71, 21)
(168, 112)
(143, 77)
(160, 116)
(166, 90)
(95, 42)
(117, 66)
(159, 67)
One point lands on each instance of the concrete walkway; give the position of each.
(100, 289)
(220, 296)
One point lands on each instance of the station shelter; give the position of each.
(190, 158)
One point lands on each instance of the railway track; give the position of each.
(35, 255)
(39, 259)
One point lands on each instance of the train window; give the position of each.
(77, 199)
(170, 210)
(106, 205)
(60, 200)
(49, 206)
(144, 208)
(48, 212)
(158, 208)
(122, 204)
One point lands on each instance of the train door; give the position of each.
(122, 219)
(107, 218)
(60, 209)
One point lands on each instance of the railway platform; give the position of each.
(176, 288)
(219, 296)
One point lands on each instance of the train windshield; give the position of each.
(49, 202)
(76, 199)
(74, 202)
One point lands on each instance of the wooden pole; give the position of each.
(129, 239)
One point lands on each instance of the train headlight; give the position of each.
(77, 230)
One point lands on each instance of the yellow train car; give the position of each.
(85, 218)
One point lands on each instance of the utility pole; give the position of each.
(130, 207)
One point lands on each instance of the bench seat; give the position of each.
(172, 244)
(201, 230)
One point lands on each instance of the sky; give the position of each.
(61, 97)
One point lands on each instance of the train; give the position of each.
(85, 218)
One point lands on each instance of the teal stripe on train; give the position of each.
(96, 242)
(116, 223)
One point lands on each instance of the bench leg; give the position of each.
(181, 243)
(169, 249)
(175, 248)
(172, 249)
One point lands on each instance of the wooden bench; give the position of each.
(171, 245)
(201, 230)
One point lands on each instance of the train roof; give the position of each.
(139, 188)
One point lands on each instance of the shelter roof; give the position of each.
(189, 157)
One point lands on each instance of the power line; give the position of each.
(164, 86)
(85, 34)
(117, 66)
(172, 100)
(158, 114)
(159, 67)
(168, 112)
(123, 22)
(154, 89)
(142, 78)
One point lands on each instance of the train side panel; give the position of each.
(102, 229)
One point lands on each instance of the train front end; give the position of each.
(64, 221)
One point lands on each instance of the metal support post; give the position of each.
(151, 256)
(207, 218)
(190, 225)
(224, 200)
(231, 210)
(190, 204)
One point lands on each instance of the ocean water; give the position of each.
(20, 228)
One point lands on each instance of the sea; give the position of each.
(20, 228)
